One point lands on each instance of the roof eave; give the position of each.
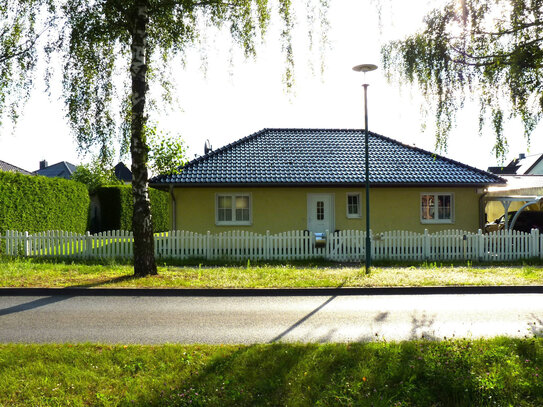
(323, 184)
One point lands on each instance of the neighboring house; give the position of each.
(523, 165)
(524, 185)
(62, 169)
(4, 166)
(518, 192)
(313, 179)
(123, 173)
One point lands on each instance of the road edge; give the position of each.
(268, 292)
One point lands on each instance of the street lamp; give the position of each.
(367, 68)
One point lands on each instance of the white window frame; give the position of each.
(436, 212)
(233, 222)
(353, 215)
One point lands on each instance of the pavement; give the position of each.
(48, 315)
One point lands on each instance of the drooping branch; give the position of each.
(28, 45)
(514, 30)
(463, 50)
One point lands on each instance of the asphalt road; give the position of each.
(182, 319)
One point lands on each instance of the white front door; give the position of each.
(320, 213)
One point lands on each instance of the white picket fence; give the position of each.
(347, 245)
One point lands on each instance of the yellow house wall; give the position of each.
(284, 209)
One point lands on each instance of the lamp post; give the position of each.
(367, 68)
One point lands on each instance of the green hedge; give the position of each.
(116, 206)
(36, 203)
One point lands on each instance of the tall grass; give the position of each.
(502, 372)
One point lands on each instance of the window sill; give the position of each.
(437, 221)
(354, 216)
(248, 223)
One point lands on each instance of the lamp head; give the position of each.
(365, 68)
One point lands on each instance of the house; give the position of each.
(523, 188)
(62, 169)
(523, 165)
(4, 166)
(313, 179)
(123, 173)
(520, 192)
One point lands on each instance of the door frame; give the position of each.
(332, 196)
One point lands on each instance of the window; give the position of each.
(320, 210)
(233, 209)
(353, 205)
(436, 208)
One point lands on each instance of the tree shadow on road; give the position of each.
(307, 316)
(52, 299)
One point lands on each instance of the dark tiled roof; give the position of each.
(4, 166)
(122, 172)
(523, 165)
(509, 170)
(322, 157)
(62, 169)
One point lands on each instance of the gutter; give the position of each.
(482, 210)
(316, 185)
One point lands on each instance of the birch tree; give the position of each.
(486, 50)
(107, 38)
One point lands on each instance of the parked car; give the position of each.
(526, 221)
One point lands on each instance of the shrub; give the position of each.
(36, 203)
(94, 176)
(116, 206)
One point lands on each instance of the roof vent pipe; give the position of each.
(207, 147)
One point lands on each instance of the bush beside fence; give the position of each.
(348, 245)
(37, 203)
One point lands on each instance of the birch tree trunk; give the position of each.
(142, 226)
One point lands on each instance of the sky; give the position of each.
(233, 100)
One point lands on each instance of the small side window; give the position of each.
(353, 205)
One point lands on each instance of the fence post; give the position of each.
(480, 245)
(7, 243)
(426, 244)
(267, 242)
(88, 244)
(208, 245)
(534, 243)
(328, 242)
(26, 245)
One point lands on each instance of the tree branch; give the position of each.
(27, 45)
(504, 56)
(521, 27)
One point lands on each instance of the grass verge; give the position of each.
(32, 273)
(418, 373)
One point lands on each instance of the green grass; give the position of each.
(33, 273)
(497, 372)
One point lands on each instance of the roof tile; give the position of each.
(322, 156)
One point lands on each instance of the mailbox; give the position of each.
(320, 239)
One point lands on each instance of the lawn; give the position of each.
(496, 372)
(33, 273)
